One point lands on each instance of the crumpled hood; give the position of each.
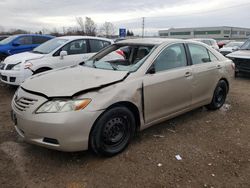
(245, 54)
(67, 82)
(25, 56)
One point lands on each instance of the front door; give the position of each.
(168, 90)
(24, 45)
(77, 52)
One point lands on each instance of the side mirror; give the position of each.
(16, 43)
(151, 70)
(63, 53)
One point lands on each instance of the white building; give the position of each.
(218, 33)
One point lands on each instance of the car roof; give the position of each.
(83, 37)
(21, 35)
(202, 39)
(149, 41)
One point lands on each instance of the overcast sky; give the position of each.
(36, 15)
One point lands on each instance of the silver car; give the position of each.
(210, 42)
(101, 103)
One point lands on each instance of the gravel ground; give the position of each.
(214, 147)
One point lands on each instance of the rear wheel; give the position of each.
(219, 97)
(113, 131)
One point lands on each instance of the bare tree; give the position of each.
(90, 27)
(108, 29)
(55, 32)
(81, 25)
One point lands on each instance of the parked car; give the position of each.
(209, 42)
(21, 43)
(56, 53)
(100, 104)
(241, 58)
(3, 37)
(230, 47)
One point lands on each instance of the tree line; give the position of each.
(83, 27)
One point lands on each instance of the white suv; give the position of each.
(56, 53)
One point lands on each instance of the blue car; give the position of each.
(21, 43)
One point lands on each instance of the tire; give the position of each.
(41, 70)
(219, 97)
(112, 132)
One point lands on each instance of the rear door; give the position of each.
(168, 90)
(205, 71)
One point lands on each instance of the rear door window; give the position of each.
(199, 54)
(212, 56)
(39, 39)
(97, 45)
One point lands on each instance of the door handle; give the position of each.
(187, 74)
(219, 66)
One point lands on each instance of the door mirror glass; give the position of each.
(63, 53)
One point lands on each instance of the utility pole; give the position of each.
(143, 26)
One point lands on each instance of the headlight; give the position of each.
(1, 66)
(60, 105)
(28, 65)
(17, 67)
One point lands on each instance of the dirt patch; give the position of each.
(214, 147)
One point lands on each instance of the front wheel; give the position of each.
(113, 131)
(219, 97)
